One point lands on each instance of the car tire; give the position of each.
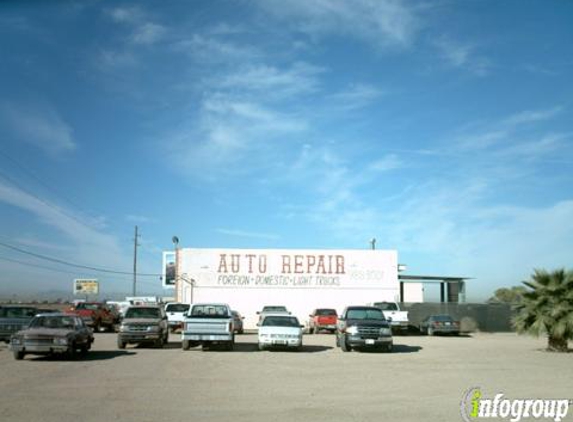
(120, 343)
(231, 346)
(185, 345)
(310, 330)
(19, 355)
(160, 342)
(388, 348)
(71, 352)
(344, 345)
(84, 349)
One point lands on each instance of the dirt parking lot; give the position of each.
(422, 380)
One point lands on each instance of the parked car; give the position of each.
(439, 324)
(398, 319)
(97, 315)
(322, 319)
(13, 318)
(143, 324)
(272, 309)
(208, 324)
(363, 327)
(280, 330)
(176, 314)
(52, 333)
(238, 322)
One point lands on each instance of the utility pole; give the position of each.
(373, 243)
(135, 244)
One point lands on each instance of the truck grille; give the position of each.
(137, 328)
(370, 332)
(38, 342)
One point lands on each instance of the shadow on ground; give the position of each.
(90, 356)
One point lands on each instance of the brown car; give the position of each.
(52, 333)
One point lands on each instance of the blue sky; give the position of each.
(443, 129)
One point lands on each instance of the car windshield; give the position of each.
(209, 311)
(143, 313)
(17, 312)
(52, 322)
(386, 306)
(274, 309)
(177, 307)
(443, 318)
(88, 306)
(326, 312)
(365, 313)
(280, 321)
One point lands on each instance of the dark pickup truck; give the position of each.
(363, 327)
(14, 318)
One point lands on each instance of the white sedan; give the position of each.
(279, 330)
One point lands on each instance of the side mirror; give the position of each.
(258, 312)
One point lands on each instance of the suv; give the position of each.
(322, 319)
(13, 319)
(363, 327)
(143, 324)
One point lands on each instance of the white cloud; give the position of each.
(271, 82)
(144, 31)
(461, 55)
(90, 245)
(210, 50)
(38, 125)
(386, 163)
(148, 33)
(356, 96)
(247, 234)
(379, 22)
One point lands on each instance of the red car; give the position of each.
(322, 319)
(97, 315)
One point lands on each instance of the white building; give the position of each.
(301, 280)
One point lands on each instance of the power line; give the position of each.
(29, 264)
(87, 267)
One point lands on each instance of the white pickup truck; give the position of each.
(208, 324)
(398, 319)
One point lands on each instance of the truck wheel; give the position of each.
(19, 355)
(120, 343)
(344, 344)
(185, 345)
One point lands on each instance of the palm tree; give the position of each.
(547, 308)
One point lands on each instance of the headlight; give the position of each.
(385, 331)
(60, 341)
(123, 328)
(152, 329)
(352, 330)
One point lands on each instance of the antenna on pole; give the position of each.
(135, 245)
(373, 243)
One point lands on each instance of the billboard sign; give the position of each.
(292, 269)
(168, 274)
(83, 286)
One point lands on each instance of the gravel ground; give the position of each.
(424, 379)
